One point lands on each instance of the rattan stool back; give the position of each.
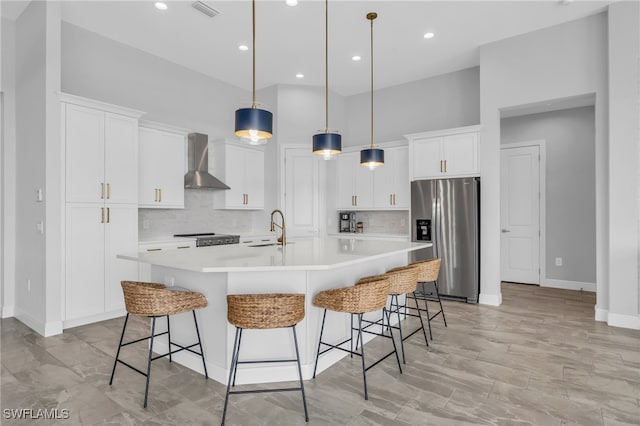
(262, 311)
(153, 299)
(429, 270)
(366, 297)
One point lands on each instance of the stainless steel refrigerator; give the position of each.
(446, 212)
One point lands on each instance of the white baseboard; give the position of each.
(52, 328)
(618, 320)
(45, 329)
(7, 311)
(93, 318)
(568, 285)
(490, 299)
(624, 321)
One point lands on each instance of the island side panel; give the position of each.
(212, 320)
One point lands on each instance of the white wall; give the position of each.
(624, 144)
(30, 162)
(8, 167)
(570, 187)
(441, 102)
(554, 63)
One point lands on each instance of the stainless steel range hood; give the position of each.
(198, 176)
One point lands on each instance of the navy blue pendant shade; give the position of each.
(327, 144)
(254, 124)
(372, 157)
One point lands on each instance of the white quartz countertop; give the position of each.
(307, 254)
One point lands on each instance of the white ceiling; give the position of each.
(290, 40)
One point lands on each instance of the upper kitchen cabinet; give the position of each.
(354, 183)
(391, 181)
(241, 167)
(162, 166)
(101, 152)
(444, 153)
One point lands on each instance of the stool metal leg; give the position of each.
(169, 337)
(420, 317)
(235, 370)
(395, 349)
(315, 367)
(234, 361)
(351, 337)
(146, 389)
(126, 319)
(426, 308)
(304, 398)
(204, 364)
(395, 296)
(364, 370)
(435, 283)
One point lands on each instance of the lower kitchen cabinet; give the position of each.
(95, 234)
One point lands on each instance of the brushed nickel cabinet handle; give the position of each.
(155, 249)
(441, 170)
(184, 247)
(160, 195)
(356, 198)
(155, 190)
(390, 199)
(102, 190)
(108, 215)
(247, 198)
(108, 191)
(101, 214)
(445, 166)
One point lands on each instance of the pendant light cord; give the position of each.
(326, 65)
(253, 30)
(371, 17)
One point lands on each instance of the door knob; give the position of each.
(505, 231)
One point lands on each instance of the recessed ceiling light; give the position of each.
(355, 58)
(292, 2)
(161, 5)
(243, 47)
(299, 75)
(429, 35)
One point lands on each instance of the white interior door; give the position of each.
(520, 214)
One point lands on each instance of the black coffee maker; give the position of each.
(347, 221)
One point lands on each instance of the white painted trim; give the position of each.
(93, 318)
(568, 285)
(45, 329)
(542, 204)
(624, 321)
(163, 127)
(601, 315)
(91, 103)
(7, 311)
(443, 132)
(490, 299)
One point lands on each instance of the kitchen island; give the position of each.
(305, 266)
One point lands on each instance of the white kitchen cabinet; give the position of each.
(391, 181)
(144, 269)
(101, 206)
(94, 236)
(162, 166)
(444, 153)
(101, 155)
(354, 183)
(241, 167)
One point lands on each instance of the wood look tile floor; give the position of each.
(538, 359)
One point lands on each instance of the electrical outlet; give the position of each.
(145, 224)
(558, 261)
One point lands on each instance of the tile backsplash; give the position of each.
(197, 216)
(384, 222)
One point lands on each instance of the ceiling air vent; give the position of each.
(204, 8)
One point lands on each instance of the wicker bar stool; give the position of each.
(154, 300)
(356, 300)
(263, 311)
(404, 281)
(428, 275)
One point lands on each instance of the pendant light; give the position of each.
(253, 123)
(327, 144)
(372, 157)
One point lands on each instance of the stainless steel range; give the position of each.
(212, 239)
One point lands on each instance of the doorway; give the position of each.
(521, 222)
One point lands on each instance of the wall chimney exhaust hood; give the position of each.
(198, 176)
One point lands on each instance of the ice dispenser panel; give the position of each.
(423, 229)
